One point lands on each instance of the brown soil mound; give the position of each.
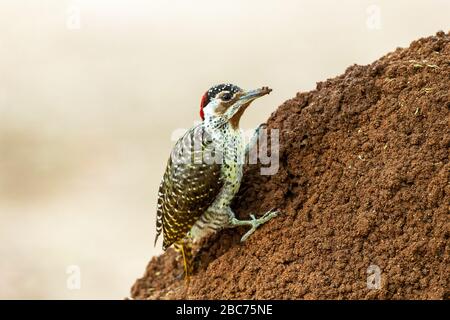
(363, 180)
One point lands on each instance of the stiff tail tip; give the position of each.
(186, 252)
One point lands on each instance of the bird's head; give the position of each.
(228, 102)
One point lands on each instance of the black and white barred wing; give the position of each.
(190, 184)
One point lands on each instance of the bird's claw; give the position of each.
(261, 126)
(256, 222)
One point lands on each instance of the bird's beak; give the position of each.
(251, 95)
(238, 108)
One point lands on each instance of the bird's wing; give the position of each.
(190, 184)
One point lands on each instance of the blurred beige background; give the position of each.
(91, 92)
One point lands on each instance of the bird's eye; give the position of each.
(226, 96)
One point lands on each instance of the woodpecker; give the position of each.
(204, 173)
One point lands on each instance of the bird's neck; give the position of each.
(222, 124)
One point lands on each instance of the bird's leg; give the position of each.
(254, 223)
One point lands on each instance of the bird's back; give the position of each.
(190, 184)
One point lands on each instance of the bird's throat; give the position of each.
(235, 118)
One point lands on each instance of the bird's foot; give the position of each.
(180, 276)
(254, 139)
(259, 128)
(254, 223)
(183, 275)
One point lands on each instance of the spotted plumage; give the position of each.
(191, 182)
